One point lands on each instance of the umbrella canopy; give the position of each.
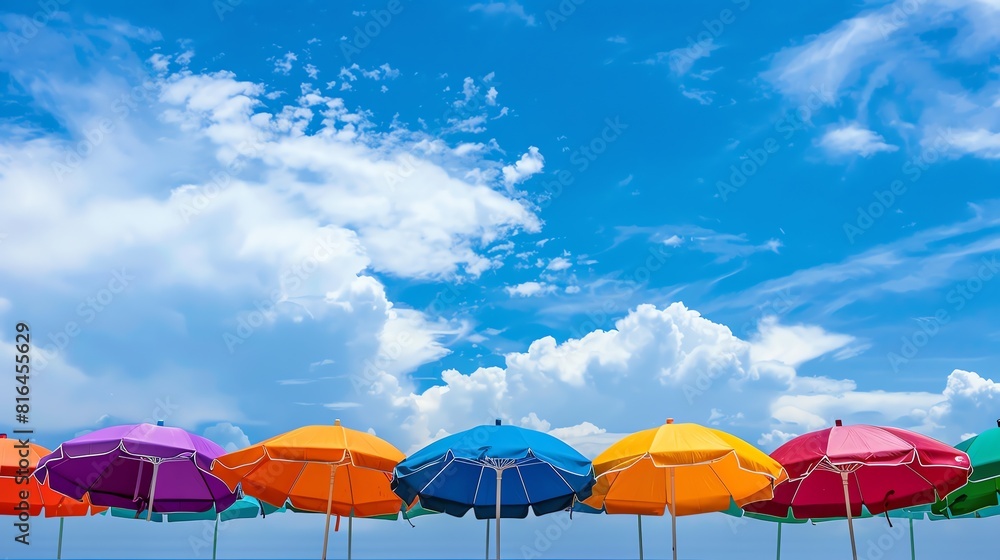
(837, 471)
(690, 468)
(139, 467)
(534, 472)
(18, 462)
(983, 488)
(244, 508)
(323, 469)
(16, 476)
(539, 473)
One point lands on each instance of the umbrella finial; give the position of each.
(336, 422)
(839, 422)
(670, 420)
(159, 422)
(498, 421)
(998, 423)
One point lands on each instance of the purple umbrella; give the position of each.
(139, 467)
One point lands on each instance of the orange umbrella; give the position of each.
(22, 495)
(325, 469)
(687, 467)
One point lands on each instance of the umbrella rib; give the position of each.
(437, 474)
(479, 484)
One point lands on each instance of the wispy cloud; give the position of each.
(854, 139)
(512, 8)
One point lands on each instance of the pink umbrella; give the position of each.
(838, 470)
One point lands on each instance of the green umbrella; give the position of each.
(244, 508)
(735, 511)
(984, 483)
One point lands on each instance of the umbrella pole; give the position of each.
(329, 508)
(499, 477)
(850, 521)
(913, 550)
(639, 517)
(59, 547)
(152, 491)
(215, 537)
(673, 512)
(779, 540)
(350, 532)
(487, 539)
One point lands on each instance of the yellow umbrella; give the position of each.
(686, 467)
(323, 469)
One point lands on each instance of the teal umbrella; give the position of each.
(416, 510)
(244, 508)
(736, 511)
(926, 511)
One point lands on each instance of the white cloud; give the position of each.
(491, 96)
(854, 139)
(283, 65)
(530, 289)
(702, 96)
(979, 142)
(793, 345)
(498, 8)
(914, 50)
(617, 39)
(559, 263)
(230, 437)
(311, 70)
(682, 59)
(531, 163)
(626, 181)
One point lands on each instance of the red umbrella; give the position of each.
(838, 470)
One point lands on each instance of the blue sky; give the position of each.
(245, 218)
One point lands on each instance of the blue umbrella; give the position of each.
(534, 471)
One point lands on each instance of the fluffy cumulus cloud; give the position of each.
(183, 186)
(531, 163)
(674, 362)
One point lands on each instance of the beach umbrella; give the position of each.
(139, 467)
(18, 462)
(835, 471)
(983, 488)
(687, 467)
(320, 469)
(243, 508)
(534, 472)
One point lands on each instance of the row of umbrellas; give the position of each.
(503, 471)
